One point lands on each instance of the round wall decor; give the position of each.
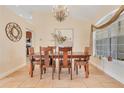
(13, 31)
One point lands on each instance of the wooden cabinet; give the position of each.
(28, 35)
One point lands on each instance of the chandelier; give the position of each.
(60, 12)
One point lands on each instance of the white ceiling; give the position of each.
(81, 12)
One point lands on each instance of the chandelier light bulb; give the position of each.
(60, 12)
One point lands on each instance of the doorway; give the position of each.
(28, 41)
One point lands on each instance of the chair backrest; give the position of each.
(52, 50)
(87, 50)
(52, 47)
(31, 50)
(45, 53)
(63, 55)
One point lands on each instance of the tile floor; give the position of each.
(97, 79)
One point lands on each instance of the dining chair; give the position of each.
(46, 56)
(53, 49)
(84, 61)
(34, 60)
(64, 60)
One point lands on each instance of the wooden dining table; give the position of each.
(75, 55)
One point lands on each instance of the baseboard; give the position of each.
(115, 76)
(97, 66)
(11, 71)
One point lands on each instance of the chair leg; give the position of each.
(59, 73)
(71, 73)
(44, 69)
(80, 66)
(74, 66)
(33, 66)
(53, 70)
(31, 69)
(41, 71)
(60, 69)
(69, 70)
(87, 70)
(76, 69)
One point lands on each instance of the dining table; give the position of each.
(75, 55)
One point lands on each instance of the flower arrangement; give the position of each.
(59, 38)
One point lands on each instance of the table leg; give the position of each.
(31, 69)
(86, 70)
(76, 69)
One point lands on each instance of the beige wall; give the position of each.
(45, 24)
(12, 54)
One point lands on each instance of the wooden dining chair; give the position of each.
(84, 62)
(33, 60)
(52, 49)
(31, 50)
(47, 55)
(64, 60)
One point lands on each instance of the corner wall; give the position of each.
(12, 54)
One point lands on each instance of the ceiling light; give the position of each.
(60, 12)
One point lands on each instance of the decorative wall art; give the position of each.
(63, 37)
(13, 31)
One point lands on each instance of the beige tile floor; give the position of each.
(97, 79)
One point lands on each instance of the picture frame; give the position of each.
(64, 37)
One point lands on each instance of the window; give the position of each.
(110, 41)
(120, 41)
(102, 43)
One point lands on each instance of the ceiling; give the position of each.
(84, 13)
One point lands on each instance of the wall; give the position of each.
(12, 54)
(45, 24)
(116, 67)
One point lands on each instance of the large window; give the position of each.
(102, 43)
(110, 41)
(120, 41)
